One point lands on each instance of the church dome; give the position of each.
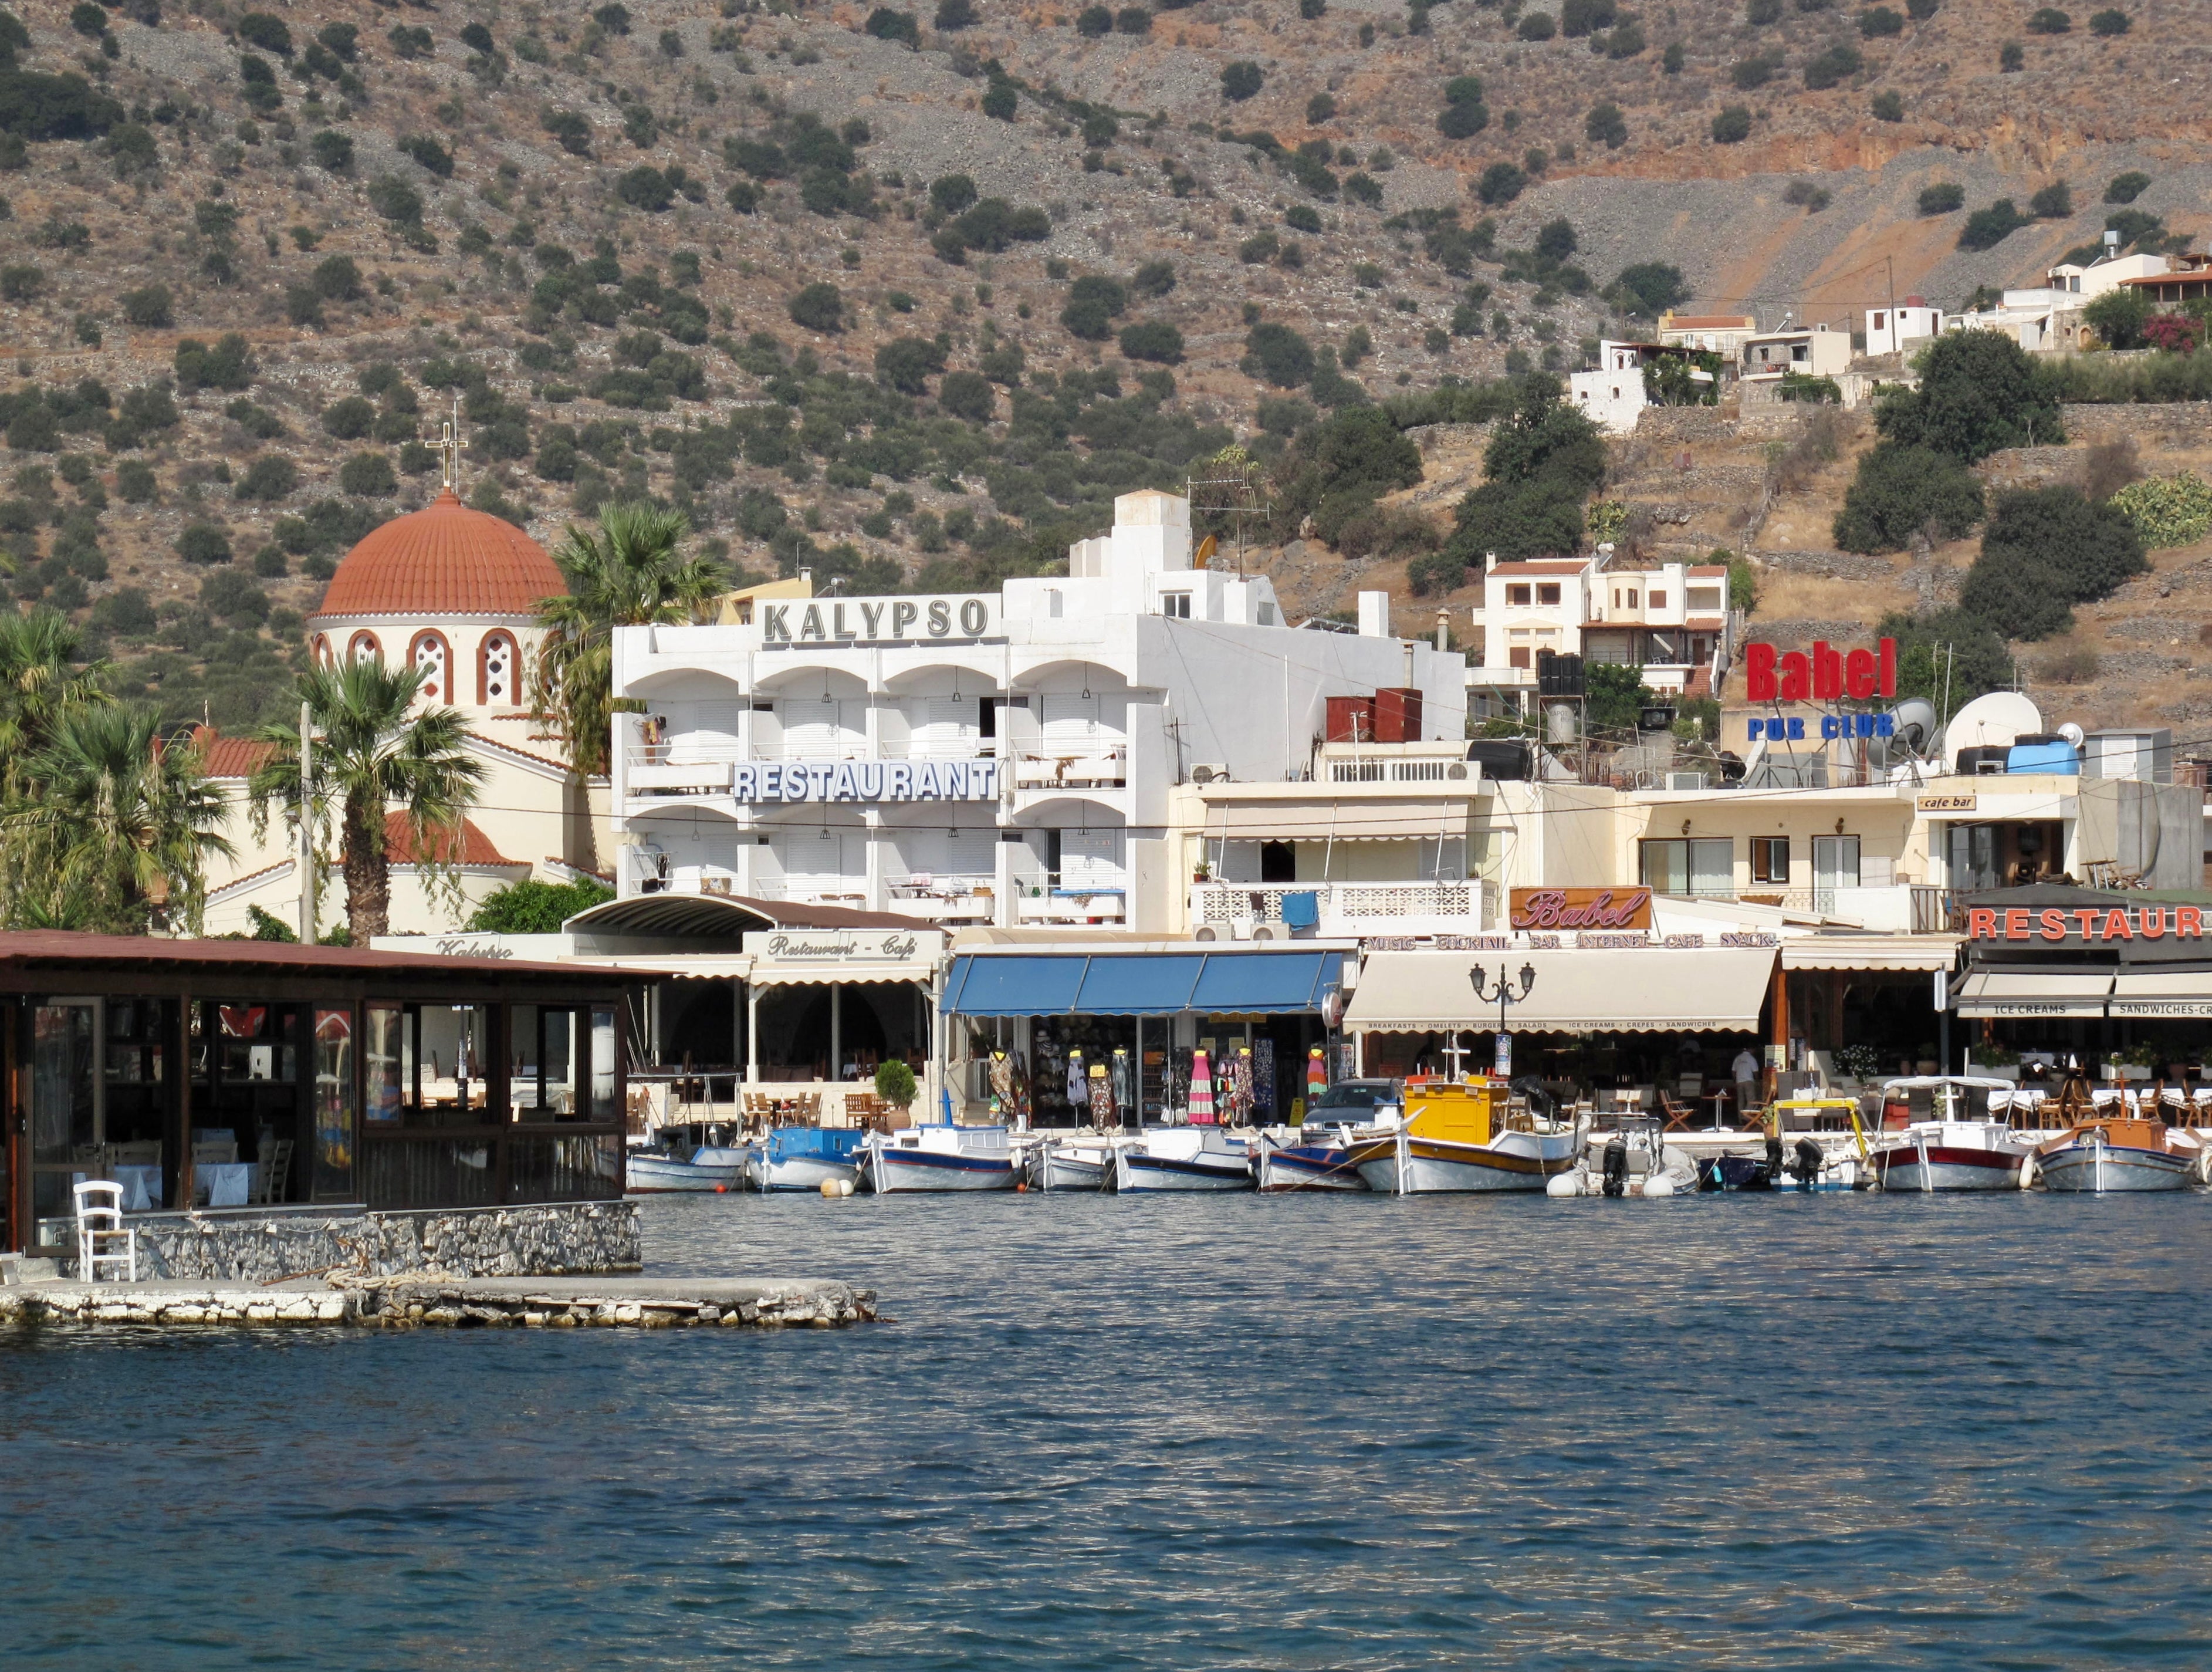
(444, 560)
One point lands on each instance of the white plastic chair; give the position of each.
(100, 1227)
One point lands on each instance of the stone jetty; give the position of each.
(429, 1299)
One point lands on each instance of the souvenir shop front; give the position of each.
(1147, 1033)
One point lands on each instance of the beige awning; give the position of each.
(766, 973)
(1870, 952)
(2152, 994)
(2001, 993)
(1655, 989)
(1309, 819)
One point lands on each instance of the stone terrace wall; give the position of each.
(547, 1240)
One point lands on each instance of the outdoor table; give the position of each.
(141, 1186)
(227, 1183)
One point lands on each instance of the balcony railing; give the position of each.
(1471, 903)
(1073, 905)
(1093, 766)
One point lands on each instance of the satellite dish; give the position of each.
(1915, 719)
(1992, 721)
(2073, 734)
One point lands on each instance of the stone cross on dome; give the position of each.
(450, 446)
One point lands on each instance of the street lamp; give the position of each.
(1504, 995)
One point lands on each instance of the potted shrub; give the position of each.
(894, 1085)
(1995, 1062)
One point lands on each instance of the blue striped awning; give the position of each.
(1138, 983)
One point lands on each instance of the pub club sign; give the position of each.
(1822, 674)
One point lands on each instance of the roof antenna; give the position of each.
(450, 444)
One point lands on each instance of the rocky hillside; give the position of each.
(907, 297)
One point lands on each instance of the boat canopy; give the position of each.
(1214, 983)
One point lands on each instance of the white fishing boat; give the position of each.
(1071, 1161)
(1182, 1158)
(694, 1159)
(1288, 1158)
(935, 1158)
(804, 1158)
(1635, 1158)
(1952, 1150)
(1456, 1138)
(2123, 1152)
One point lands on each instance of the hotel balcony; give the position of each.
(1348, 910)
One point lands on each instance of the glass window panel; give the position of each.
(1667, 867)
(390, 1062)
(564, 1101)
(334, 1104)
(63, 1099)
(1712, 865)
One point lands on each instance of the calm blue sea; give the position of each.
(1214, 1433)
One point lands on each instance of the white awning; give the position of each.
(1578, 990)
(1999, 993)
(1312, 819)
(768, 973)
(1870, 952)
(2151, 994)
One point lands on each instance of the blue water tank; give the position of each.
(2043, 754)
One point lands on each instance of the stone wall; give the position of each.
(546, 1240)
(2180, 423)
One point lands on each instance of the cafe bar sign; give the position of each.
(1549, 910)
(826, 621)
(865, 781)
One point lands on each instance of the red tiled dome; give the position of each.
(445, 560)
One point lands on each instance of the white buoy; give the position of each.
(1658, 1184)
(835, 1188)
(1563, 1185)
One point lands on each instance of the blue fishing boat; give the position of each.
(701, 1156)
(803, 1157)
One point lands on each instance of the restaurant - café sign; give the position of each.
(880, 620)
(843, 946)
(1549, 909)
(866, 780)
(2084, 924)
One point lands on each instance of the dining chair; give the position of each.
(100, 1229)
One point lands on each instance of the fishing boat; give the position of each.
(2123, 1151)
(803, 1157)
(1182, 1158)
(932, 1158)
(694, 1157)
(1321, 1162)
(1072, 1161)
(1456, 1138)
(1950, 1151)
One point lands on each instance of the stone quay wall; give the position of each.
(548, 1239)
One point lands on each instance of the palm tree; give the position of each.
(119, 827)
(630, 573)
(372, 752)
(39, 681)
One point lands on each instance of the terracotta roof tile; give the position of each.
(468, 846)
(231, 758)
(444, 560)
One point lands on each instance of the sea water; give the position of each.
(1208, 1431)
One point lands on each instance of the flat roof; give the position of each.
(1562, 566)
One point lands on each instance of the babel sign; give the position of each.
(1824, 674)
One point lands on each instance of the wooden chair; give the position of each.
(272, 1179)
(1678, 1114)
(101, 1232)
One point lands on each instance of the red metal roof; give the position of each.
(444, 560)
(57, 946)
(1567, 567)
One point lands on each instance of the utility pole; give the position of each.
(306, 826)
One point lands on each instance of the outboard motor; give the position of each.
(1807, 1165)
(1772, 1169)
(1616, 1165)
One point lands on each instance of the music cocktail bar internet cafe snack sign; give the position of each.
(1823, 674)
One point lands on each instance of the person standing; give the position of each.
(1746, 1070)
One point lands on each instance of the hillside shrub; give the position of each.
(34, 106)
(1276, 354)
(228, 365)
(2044, 551)
(886, 24)
(1901, 490)
(1242, 79)
(1543, 460)
(906, 364)
(1648, 288)
(428, 155)
(1978, 391)
(1154, 340)
(1732, 126)
(367, 476)
(818, 306)
(150, 308)
(1879, 20)
(1605, 122)
(271, 477)
(570, 131)
(1947, 653)
(1942, 198)
(2049, 21)
(2126, 188)
(2168, 511)
(1886, 106)
(2054, 202)
(1501, 183)
(967, 395)
(203, 543)
(1536, 26)
(1836, 63)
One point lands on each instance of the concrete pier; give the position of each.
(420, 1299)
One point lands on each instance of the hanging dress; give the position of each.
(1263, 1084)
(1102, 1097)
(1018, 1077)
(1239, 1083)
(1201, 1090)
(1078, 1087)
(1125, 1090)
(1316, 1075)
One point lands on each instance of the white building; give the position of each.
(1613, 395)
(1723, 334)
(1896, 329)
(1000, 758)
(1670, 621)
(1809, 351)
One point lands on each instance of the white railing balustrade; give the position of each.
(1471, 902)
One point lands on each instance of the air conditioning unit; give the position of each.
(1685, 780)
(1210, 772)
(1266, 931)
(1205, 931)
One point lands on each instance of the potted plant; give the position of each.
(2131, 1063)
(1998, 1061)
(894, 1085)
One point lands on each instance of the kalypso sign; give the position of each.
(866, 780)
(880, 620)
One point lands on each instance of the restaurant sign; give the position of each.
(843, 946)
(2085, 924)
(866, 780)
(880, 620)
(1557, 909)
